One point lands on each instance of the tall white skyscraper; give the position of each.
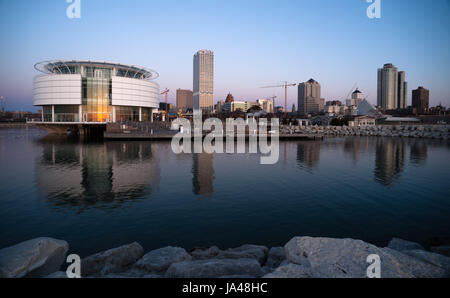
(392, 88)
(204, 80)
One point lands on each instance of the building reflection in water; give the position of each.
(102, 175)
(356, 146)
(203, 174)
(389, 159)
(308, 154)
(419, 151)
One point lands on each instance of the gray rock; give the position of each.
(34, 258)
(429, 257)
(160, 259)
(275, 257)
(112, 261)
(400, 245)
(338, 258)
(202, 254)
(291, 271)
(247, 251)
(214, 268)
(114, 275)
(415, 266)
(442, 250)
(237, 276)
(129, 273)
(152, 275)
(58, 274)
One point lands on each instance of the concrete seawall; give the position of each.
(407, 131)
(16, 125)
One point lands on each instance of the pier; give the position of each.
(160, 131)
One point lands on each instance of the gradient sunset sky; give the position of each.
(256, 43)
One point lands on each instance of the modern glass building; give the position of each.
(95, 92)
(392, 88)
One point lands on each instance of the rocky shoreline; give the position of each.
(16, 125)
(441, 132)
(301, 257)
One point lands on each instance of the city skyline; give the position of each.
(250, 51)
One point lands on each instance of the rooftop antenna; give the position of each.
(353, 88)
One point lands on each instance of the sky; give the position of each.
(256, 43)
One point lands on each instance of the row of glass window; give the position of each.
(97, 72)
(70, 113)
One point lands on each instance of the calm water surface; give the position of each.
(99, 195)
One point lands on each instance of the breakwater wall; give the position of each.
(407, 131)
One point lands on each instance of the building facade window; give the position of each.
(66, 113)
(146, 114)
(124, 114)
(47, 110)
(97, 99)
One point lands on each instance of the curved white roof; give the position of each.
(63, 67)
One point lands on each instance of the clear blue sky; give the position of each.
(256, 43)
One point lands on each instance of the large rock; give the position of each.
(57, 275)
(242, 276)
(442, 250)
(401, 245)
(214, 268)
(276, 256)
(205, 253)
(415, 266)
(160, 259)
(34, 258)
(247, 251)
(429, 257)
(338, 258)
(112, 261)
(291, 271)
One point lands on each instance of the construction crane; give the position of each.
(285, 86)
(166, 92)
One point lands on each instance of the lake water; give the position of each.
(100, 195)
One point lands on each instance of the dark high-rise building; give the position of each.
(402, 102)
(229, 98)
(162, 106)
(421, 99)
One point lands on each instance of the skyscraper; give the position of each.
(392, 88)
(421, 99)
(185, 99)
(402, 91)
(309, 100)
(204, 80)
